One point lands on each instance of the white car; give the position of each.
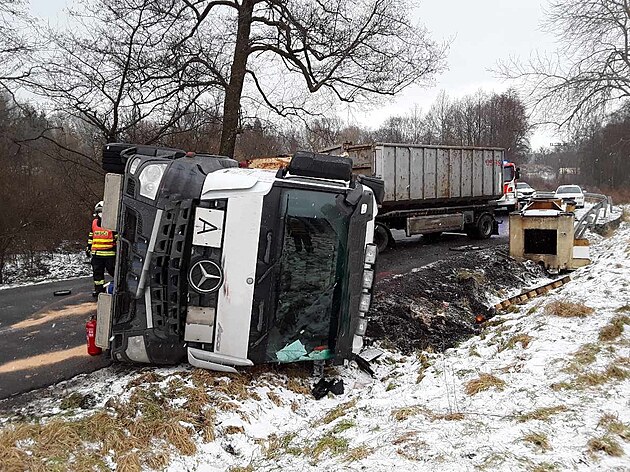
(571, 192)
(524, 191)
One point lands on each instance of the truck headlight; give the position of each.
(361, 327)
(370, 253)
(150, 179)
(368, 278)
(364, 304)
(134, 165)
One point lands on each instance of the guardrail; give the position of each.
(589, 219)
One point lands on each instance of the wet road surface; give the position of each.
(42, 336)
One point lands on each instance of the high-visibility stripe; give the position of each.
(99, 282)
(104, 253)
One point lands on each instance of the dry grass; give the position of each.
(612, 425)
(567, 309)
(145, 378)
(275, 398)
(139, 431)
(158, 460)
(448, 416)
(605, 444)
(523, 339)
(538, 439)
(298, 385)
(544, 467)
(401, 414)
(623, 309)
(410, 447)
(484, 382)
(541, 414)
(247, 468)
(404, 413)
(343, 425)
(612, 373)
(129, 462)
(586, 354)
(583, 357)
(614, 329)
(337, 412)
(231, 429)
(329, 443)
(358, 453)
(276, 445)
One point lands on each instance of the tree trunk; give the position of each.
(232, 102)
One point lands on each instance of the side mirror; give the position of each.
(518, 173)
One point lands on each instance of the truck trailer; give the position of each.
(227, 267)
(431, 189)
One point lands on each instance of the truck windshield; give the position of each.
(312, 266)
(508, 173)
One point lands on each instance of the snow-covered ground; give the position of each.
(535, 391)
(47, 267)
(604, 216)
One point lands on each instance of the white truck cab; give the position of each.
(229, 267)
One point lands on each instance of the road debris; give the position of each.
(61, 293)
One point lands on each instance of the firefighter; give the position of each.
(102, 249)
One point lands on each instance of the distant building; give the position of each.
(569, 171)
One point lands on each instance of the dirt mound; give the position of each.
(434, 307)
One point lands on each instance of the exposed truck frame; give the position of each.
(431, 189)
(231, 267)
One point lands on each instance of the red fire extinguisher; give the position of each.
(90, 331)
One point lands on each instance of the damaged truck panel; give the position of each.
(233, 267)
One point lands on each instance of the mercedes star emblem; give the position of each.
(205, 276)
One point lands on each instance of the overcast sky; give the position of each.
(482, 32)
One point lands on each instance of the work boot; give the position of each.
(97, 290)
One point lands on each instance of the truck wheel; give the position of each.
(482, 228)
(382, 237)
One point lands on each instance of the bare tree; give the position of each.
(14, 44)
(107, 70)
(591, 68)
(267, 52)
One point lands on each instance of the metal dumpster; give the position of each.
(543, 232)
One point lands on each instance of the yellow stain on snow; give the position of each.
(42, 360)
(81, 309)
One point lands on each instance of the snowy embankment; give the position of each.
(44, 268)
(545, 387)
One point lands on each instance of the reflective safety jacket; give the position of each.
(101, 241)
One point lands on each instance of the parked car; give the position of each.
(524, 191)
(571, 192)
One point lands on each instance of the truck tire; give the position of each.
(482, 228)
(382, 237)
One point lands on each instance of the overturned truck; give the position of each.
(234, 267)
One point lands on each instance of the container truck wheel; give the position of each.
(482, 228)
(382, 237)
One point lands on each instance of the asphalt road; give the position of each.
(42, 337)
(415, 251)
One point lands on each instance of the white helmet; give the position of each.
(98, 208)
